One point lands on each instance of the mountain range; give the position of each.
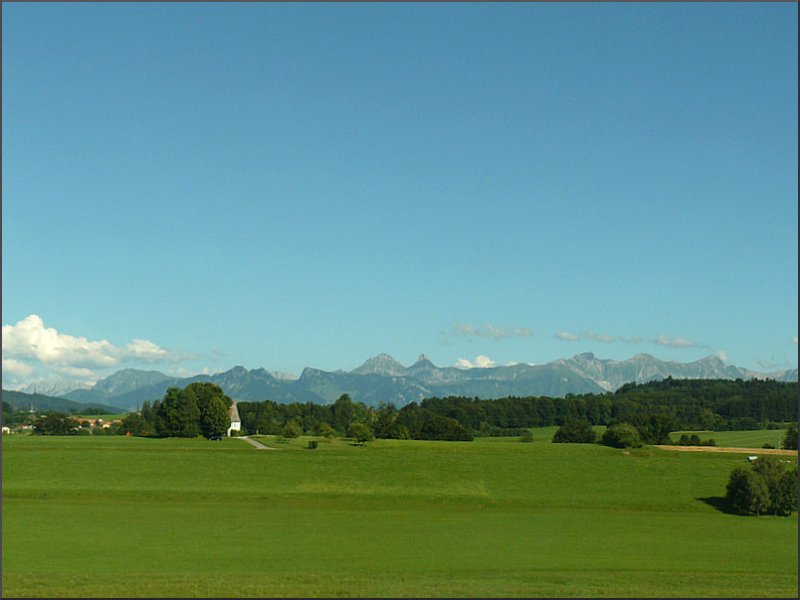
(383, 379)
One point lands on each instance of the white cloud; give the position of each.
(15, 367)
(661, 340)
(481, 362)
(488, 330)
(598, 337)
(33, 351)
(82, 374)
(567, 337)
(145, 350)
(30, 339)
(678, 342)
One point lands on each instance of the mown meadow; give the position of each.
(101, 516)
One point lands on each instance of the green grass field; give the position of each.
(115, 516)
(739, 439)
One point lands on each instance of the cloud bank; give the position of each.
(31, 349)
(661, 340)
(487, 330)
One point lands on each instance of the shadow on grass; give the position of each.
(719, 503)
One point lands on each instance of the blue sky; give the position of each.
(197, 186)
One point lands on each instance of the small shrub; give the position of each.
(575, 431)
(292, 430)
(325, 430)
(621, 435)
(360, 432)
(312, 444)
(526, 437)
(790, 439)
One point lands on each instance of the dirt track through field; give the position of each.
(257, 445)
(729, 449)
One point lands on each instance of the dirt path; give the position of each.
(257, 445)
(728, 449)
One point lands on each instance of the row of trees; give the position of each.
(653, 409)
(410, 422)
(647, 430)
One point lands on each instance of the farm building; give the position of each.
(236, 421)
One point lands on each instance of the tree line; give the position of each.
(675, 404)
(654, 409)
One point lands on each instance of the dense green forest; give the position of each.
(653, 407)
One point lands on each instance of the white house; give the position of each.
(236, 421)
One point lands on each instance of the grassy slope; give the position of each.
(132, 517)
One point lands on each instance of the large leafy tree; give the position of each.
(199, 408)
(180, 416)
(213, 405)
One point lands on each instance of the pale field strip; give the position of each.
(728, 449)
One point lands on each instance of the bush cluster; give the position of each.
(694, 440)
(767, 486)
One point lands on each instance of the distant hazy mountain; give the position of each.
(41, 402)
(611, 374)
(54, 387)
(383, 379)
(117, 384)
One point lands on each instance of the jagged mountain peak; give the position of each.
(383, 364)
(424, 360)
